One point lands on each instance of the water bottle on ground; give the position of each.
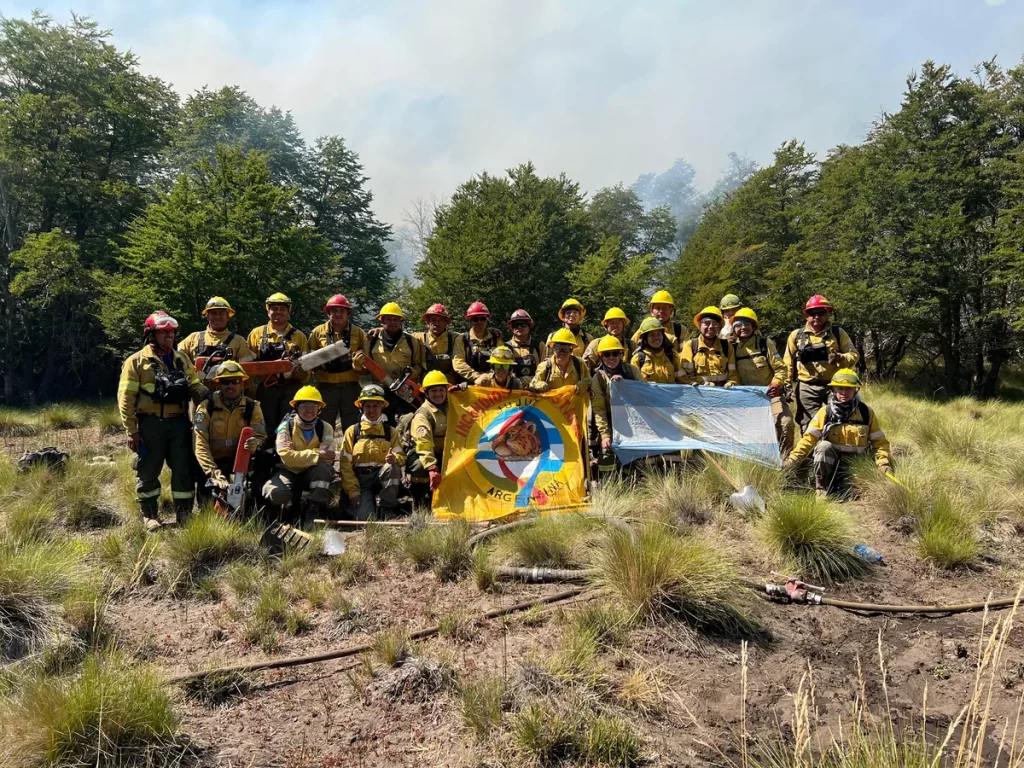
(872, 555)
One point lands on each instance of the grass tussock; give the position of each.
(485, 574)
(353, 566)
(546, 732)
(14, 423)
(947, 533)
(108, 419)
(442, 548)
(217, 688)
(814, 537)
(381, 542)
(676, 499)
(206, 542)
(110, 714)
(129, 555)
(609, 624)
(392, 647)
(482, 704)
(653, 572)
(60, 416)
(554, 541)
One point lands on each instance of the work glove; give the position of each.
(435, 476)
(390, 458)
(775, 390)
(219, 480)
(789, 462)
(729, 385)
(834, 357)
(606, 443)
(581, 387)
(327, 455)
(135, 442)
(200, 393)
(252, 444)
(458, 387)
(885, 468)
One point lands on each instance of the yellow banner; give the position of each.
(508, 452)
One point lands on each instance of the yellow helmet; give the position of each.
(503, 356)
(609, 344)
(730, 301)
(391, 308)
(561, 336)
(651, 324)
(712, 311)
(571, 304)
(749, 314)
(219, 302)
(845, 377)
(615, 313)
(371, 392)
(308, 394)
(434, 379)
(229, 369)
(278, 298)
(661, 297)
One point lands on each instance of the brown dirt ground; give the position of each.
(314, 716)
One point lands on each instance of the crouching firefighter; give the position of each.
(372, 459)
(611, 368)
(305, 448)
(842, 428)
(152, 397)
(428, 428)
(218, 425)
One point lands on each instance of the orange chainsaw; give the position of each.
(229, 501)
(306, 362)
(405, 387)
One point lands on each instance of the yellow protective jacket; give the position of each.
(471, 353)
(294, 341)
(138, 380)
(439, 353)
(861, 433)
(550, 376)
(600, 402)
(659, 366)
(368, 450)
(703, 364)
(321, 336)
(218, 427)
(429, 425)
(758, 362)
(295, 452)
(583, 339)
(528, 355)
(201, 343)
(674, 336)
(513, 382)
(819, 372)
(407, 353)
(593, 359)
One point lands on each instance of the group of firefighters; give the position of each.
(193, 420)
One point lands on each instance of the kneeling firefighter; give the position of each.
(372, 459)
(156, 385)
(305, 449)
(842, 428)
(428, 428)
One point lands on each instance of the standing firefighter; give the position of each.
(842, 428)
(399, 353)
(562, 368)
(813, 355)
(730, 305)
(615, 322)
(156, 385)
(528, 350)
(709, 360)
(571, 314)
(759, 364)
(219, 422)
(473, 348)
(428, 429)
(371, 459)
(305, 448)
(663, 309)
(216, 343)
(655, 357)
(438, 342)
(612, 367)
(278, 340)
(338, 380)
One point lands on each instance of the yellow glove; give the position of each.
(252, 444)
(729, 385)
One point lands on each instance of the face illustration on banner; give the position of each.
(514, 449)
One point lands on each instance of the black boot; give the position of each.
(182, 511)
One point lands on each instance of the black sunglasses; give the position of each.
(817, 312)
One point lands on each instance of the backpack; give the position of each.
(274, 350)
(219, 351)
(477, 360)
(375, 333)
(405, 429)
(358, 434)
(433, 360)
(250, 406)
(48, 457)
(762, 344)
(576, 364)
(525, 367)
(722, 344)
(341, 364)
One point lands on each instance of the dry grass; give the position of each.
(206, 542)
(555, 541)
(440, 547)
(59, 416)
(391, 647)
(481, 705)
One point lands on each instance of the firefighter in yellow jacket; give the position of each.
(338, 380)
(842, 428)
(612, 367)
(707, 359)
(306, 450)
(219, 421)
(277, 340)
(396, 351)
(372, 459)
(759, 364)
(663, 309)
(813, 355)
(562, 368)
(153, 395)
(438, 342)
(473, 348)
(216, 343)
(571, 314)
(429, 425)
(527, 348)
(655, 357)
(615, 322)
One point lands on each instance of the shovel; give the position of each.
(334, 544)
(746, 499)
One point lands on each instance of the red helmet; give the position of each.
(817, 302)
(477, 308)
(337, 300)
(436, 309)
(518, 316)
(159, 321)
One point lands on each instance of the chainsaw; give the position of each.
(404, 387)
(306, 362)
(229, 501)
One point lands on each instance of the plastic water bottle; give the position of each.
(872, 555)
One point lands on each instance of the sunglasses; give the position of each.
(611, 354)
(817, 312)
(520, 325)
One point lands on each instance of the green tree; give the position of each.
(509, 241)
(607, 278)
(618, 212)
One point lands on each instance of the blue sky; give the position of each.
(432, 92)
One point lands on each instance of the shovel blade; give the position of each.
(748, 500)
(334, 544)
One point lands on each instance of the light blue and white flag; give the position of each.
(652, 419)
